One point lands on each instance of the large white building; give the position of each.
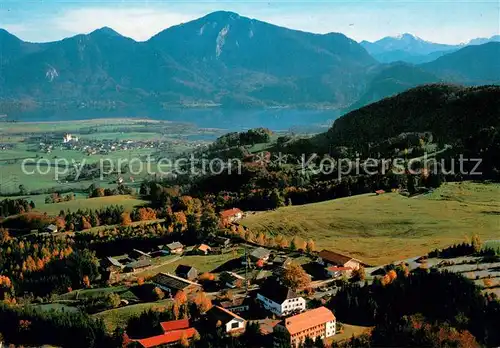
(280, 300)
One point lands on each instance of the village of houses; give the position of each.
(254, 281)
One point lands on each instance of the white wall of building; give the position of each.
(238, 325)
(330, 328)
(288, 306)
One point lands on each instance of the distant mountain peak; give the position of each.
(222, 15)
(407, 36)
(106, 31)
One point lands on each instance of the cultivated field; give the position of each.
(390, 227)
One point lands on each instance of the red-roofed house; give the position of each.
(337, 264)
(175, 325)
(337, 271)
(173, 332)
(231, 215)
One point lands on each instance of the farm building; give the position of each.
(172, 284)
(203, 249)
(136, 265)
(237, 305)
(232, 280)
(51, 228)
(231, 215)
(336, 264)
(175, 248)
(232, 323)
(260, 254)
(186, 272)
(173, 332)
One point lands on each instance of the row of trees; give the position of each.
(105, 192)
(10, 207)
(272, 241)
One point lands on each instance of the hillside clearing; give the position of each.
(128, 202)
(390, 227)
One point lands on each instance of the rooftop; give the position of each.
(167, 338)
(175, 245)
(308, 319)
(139, 263)
(173, 282)
(204, 247)
(337, 268)
(230, 212)
(175, 325)
(218, 313)
(183, 269)
(260, 253)
(277, 292)
(334, 258)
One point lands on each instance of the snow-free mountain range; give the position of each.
(226, 60)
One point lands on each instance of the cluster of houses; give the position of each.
(138, 260)
(291, 319)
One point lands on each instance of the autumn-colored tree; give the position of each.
(86, 281)
(310, 246)
(295, 277)
(477, 245)
(176, 310)
(261, 239)
(140, 281)
(206, 277)
(184, 342)
(158, 293)
(359, 274)
(202, 302)
(125, 219)
(284, 244)
(488, 282)
(4, 236)
(85, 224)
(180, 298)
(144, 214)
(297, 244)
(392, 275)
(260, 263)
(249, 236)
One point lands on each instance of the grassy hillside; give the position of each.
(128, 202)
(390, 227)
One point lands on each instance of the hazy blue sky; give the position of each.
(438, 21)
